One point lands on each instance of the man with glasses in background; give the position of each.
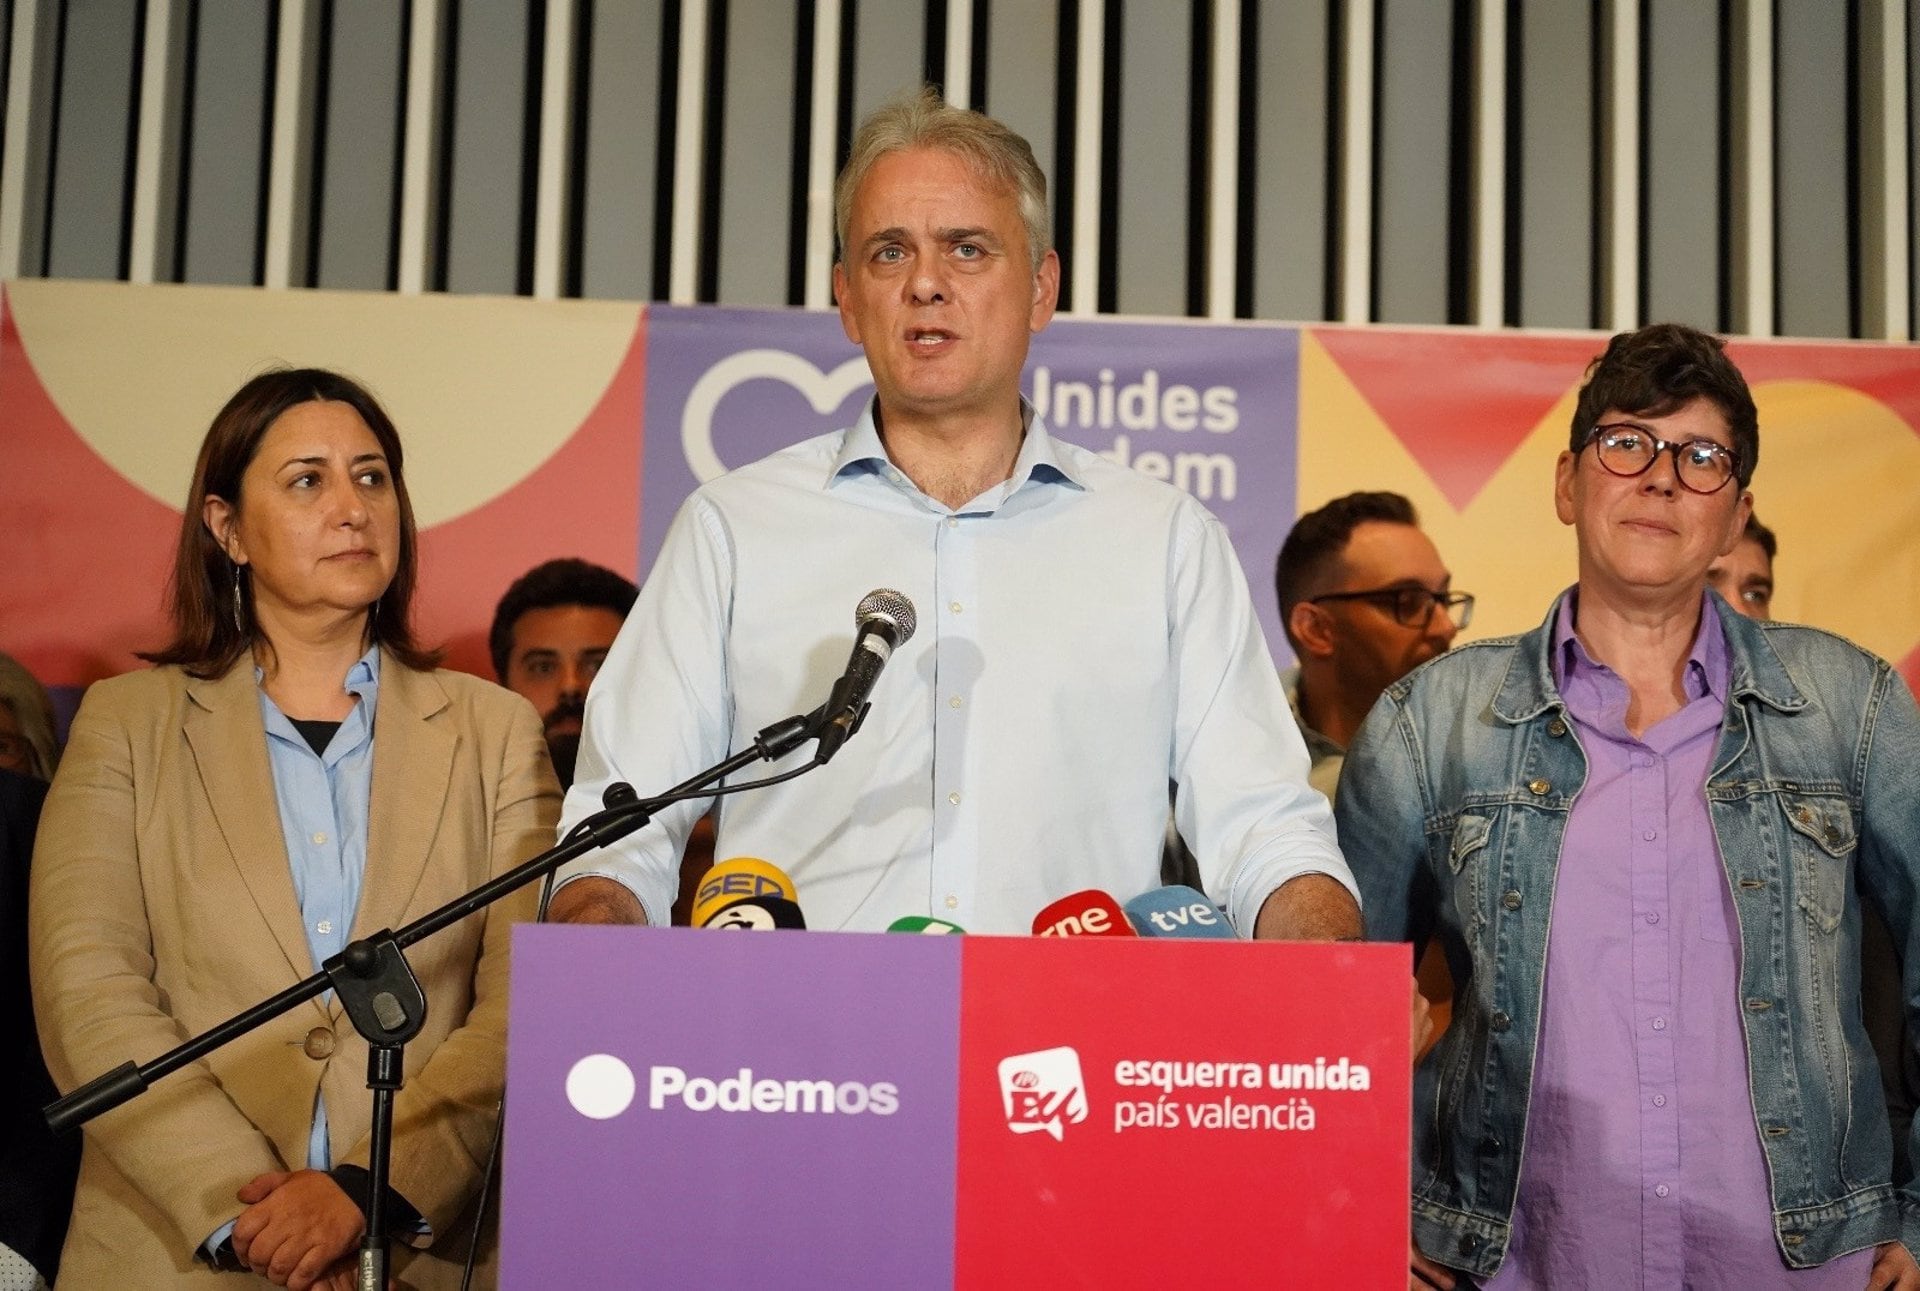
(1642, 834)
(1365, 599)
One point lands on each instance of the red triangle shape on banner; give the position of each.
(1461, 402)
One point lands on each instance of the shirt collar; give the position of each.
(1708, 663)
(1040, 459)
(362, 681)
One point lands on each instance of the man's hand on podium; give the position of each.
(595, 900)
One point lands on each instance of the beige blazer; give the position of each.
(163, 902)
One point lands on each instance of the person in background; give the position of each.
(27, 743)
(1744, 576)
(295, 772)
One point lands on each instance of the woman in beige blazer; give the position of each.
(171, 889)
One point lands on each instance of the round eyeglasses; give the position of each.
(1412, 606)
(1625, 449)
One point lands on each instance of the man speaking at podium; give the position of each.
(1085, 633)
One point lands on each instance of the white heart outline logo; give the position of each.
(824, 390)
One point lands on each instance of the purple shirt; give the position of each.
(1642, 1165)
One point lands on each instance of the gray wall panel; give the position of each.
(489, 146)
(1811, 176)
(1022, 73)
(361, 145)
(889, 51)
(1411, 162)
(1556, 173)
(1684, 246)
(1290, 161)
(226, 137)
(622, 151)
(756, 164)
(90, 174)
(1154, 145)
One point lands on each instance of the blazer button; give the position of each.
(1538, 787)
(319, 1044)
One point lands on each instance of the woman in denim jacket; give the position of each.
(1641, 833)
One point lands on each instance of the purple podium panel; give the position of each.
(699, 1109)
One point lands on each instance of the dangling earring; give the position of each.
(239, 605)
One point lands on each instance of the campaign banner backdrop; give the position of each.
(849, 1110)
(536, 429)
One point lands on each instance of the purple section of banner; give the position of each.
(1212, 410)
(667, 1109)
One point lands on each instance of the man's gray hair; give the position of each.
(925, 120)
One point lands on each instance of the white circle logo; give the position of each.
(600, 1086)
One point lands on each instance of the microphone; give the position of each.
(923, 923)
(756, 914)
(736, 879)
(1091, 913)
(1178, 911)
(883, 621)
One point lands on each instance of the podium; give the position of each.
(688, 1109)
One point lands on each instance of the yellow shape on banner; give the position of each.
(1836, 485)
(1506, 547)
(483, 389)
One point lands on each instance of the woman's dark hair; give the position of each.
(1660, 369)
(206, 641)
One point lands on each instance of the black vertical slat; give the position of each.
(1723, 216)
(1066, 83)
(322, 100)
(395, 193)
(1514, 202)
(189, 78)
(1462, 139)
(1247, 149)
(1108, 295)
(1597, 130)
(53, 140)
(1856, 196)
(800, 151)
(712, 147)
(1643, 205)
(580, 121)
(441, 230)
(1773, 107)
(1333, 262)
(270, 94)
(124, 260)
(1200, 176)
(933, 47)
(663, 162)
(843, 102)
(535, 83)
(979, 48)
(1374, 151)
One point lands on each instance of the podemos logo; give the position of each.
(1043, 1091)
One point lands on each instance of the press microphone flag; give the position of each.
(737, 879)
(1091, 913)
(1178, 911)
(923, 923)
(756, 914)
(883, 621)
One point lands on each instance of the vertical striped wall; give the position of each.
(1744, 165)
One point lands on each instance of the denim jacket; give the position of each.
(1451, 810)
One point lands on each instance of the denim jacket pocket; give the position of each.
(1822, 841)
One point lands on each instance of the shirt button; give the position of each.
(954, 606)
(320, 838)
(1659, 1024)
(1661, 1190)
(953, 902)
(1652, 917)
(954, 702)
(1650, 835)
(318, 1044)
(1659, 1100)
(324, 926)
(953, 522)
(954, 798)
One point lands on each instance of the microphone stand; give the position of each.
(383, 998)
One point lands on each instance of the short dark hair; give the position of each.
(206, 640)
(567, 581)
(1318, 539)
(1757, 532)
(1660, 369)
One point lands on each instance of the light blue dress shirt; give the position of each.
(323, 800)
(1085, 636)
